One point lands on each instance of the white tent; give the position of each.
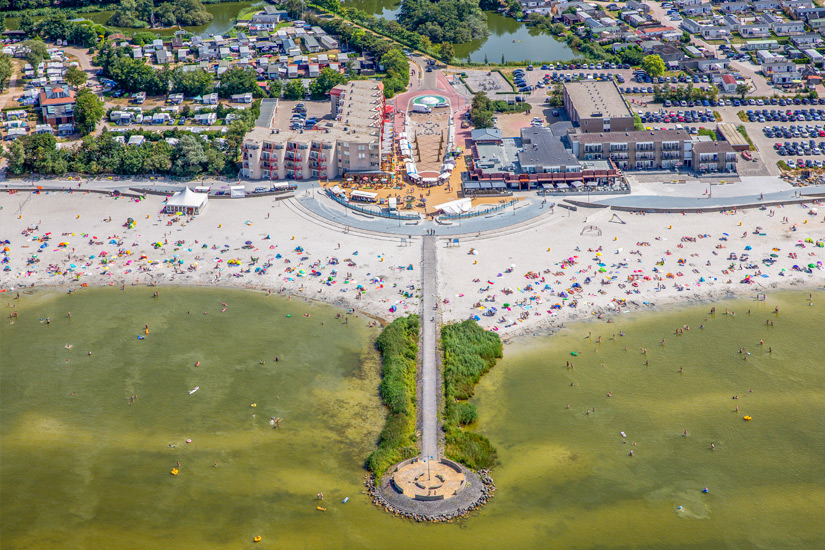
(456, 206)
(237, 191)
(186, 201)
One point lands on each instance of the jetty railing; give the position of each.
(370, 212)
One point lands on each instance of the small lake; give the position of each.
(516, 41)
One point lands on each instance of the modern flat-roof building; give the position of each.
(597, 106)
(646, 150)
(658, 150)
(536, 158)
(348, 143)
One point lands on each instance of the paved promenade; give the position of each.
(428, 400)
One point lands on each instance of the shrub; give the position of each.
(398, 344)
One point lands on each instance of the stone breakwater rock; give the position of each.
(480, 488)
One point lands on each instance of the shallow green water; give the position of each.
(81, 468)
(568, 477)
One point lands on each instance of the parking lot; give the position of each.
(486, 81)
(318, 110)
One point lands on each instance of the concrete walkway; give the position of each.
(428, 400)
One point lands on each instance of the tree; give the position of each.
(190, 157)
(83, 35)
(327, 80)
(27, 24)
(36, 51)
(16, 157)
(653, 65)
(54, 26)
(294, 89)
(75, 76)
(88, 111)
(276, 87)
(743, 89)
(6, 71)
(238, 81)
(191, 83)
(447, 52)
(2, 21)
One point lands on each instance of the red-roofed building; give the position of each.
(57, 105)
(726, 83)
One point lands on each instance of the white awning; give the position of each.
(363, 195)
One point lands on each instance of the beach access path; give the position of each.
(428, 399)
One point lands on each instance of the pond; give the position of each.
(514, 41)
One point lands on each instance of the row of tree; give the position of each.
(56, 25)
(142, 13)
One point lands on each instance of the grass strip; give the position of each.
(469, 352)
(398, 344)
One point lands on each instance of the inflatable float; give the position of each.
(257, 539)
(746, 418)
(174, 471)
(321, 509)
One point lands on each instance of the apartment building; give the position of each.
(714, 156)
(597, 106)
(349, 142)
(636, 150)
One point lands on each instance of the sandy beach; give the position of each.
(286, 253)
(561, 267)
(586, 264)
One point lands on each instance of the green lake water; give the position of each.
(81, 468)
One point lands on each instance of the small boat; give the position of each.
(319, 508)
(345, 500)
(196, 388)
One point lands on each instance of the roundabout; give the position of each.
(431, 100)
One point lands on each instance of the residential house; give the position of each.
(210, 99)
(57, 105)
(638, 6)
(241, 98)
(692, 9)
(705, 29)
(43, 129)
(781, 71)
(756, 45)
(815, 57)
(137, 52)
(174, 99)
(735, 6)
(328, 42)
(668, 53)
(808, 40)
(311, 44)
(268, 18)
(764, 5)
(161, 118)
(781, 26)
(121, 118)
(136, 140)
(207, 119)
